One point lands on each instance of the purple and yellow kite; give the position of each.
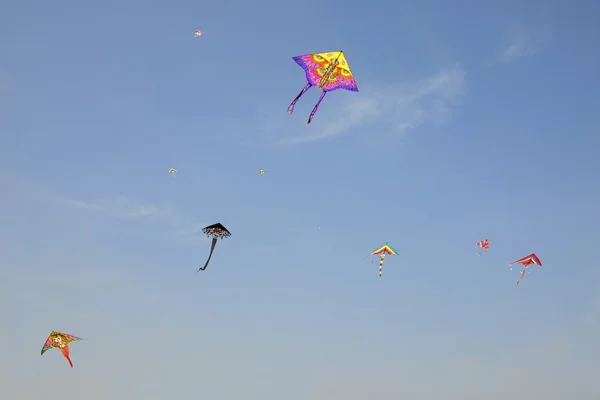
(59, 340)
(328, 71)
(382, 251)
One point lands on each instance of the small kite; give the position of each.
(59, 340)
(173, 170)
(198, 33)
(328, 71)
(216, 231)
(382, 251)
(484, 245)
(526, 262)
(262, 171)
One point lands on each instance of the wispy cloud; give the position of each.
(522, 44)
(521, 47)
(176, 227)
(125, 208)
(190, 234)
(398, 107)
(122, 207)
(128, 208)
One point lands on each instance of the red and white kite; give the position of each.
(526, 262)
(484, 245)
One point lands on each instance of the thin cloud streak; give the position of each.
(129, 209)
(518, 49)
(190, 235)
(523, 44)
(400, 106)
(122, 208)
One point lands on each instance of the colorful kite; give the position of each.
(484, 245)
(328, 71)
(262, 171)
(382, 251)
(526, 262)
(216, 231)
(59, 340)
(198, 33)
(173, 170)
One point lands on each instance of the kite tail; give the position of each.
(65, 352)
(521, 278)
(312, 114)
(212, 248)
(380, 260)
(291, 107)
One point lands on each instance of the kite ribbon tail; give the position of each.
(212, 248)
(65, 352)
(521, 278)
(291, 107)
(312, 114)
(380, 260)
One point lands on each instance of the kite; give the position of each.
(60, 341)
(484, 245)
(173, 170)
(328, 71)
(526, 262)
(198, 33)
(382, 251)
(216, 231)
(262, 171)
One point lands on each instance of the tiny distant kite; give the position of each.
(328, 71)
(382, 251)
(262, 171)
(216, 231)
(59, 340)
(484, 245)
(173, 170)
(526, 262)
(198, 33)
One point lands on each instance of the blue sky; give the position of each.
(473, 120)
